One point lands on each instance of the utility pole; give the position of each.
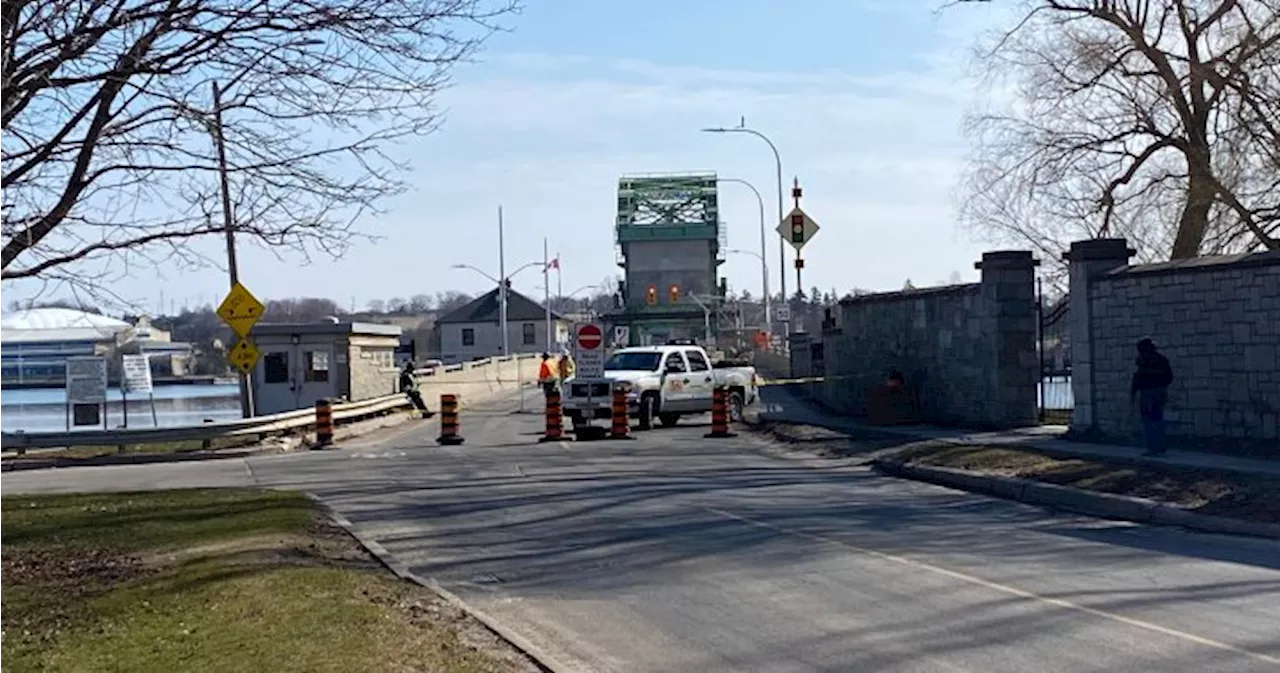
(795, 194)
(246, 390)
(502, 288)
(546, 290)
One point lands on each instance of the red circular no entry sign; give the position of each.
(589, 337)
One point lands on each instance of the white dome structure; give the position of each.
(59, 324)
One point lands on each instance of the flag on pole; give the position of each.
(553, 264)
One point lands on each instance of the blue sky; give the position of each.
(864, 99)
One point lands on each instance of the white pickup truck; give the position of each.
(662, 382)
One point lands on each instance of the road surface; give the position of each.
(676, 553)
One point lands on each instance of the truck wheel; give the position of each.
(648, 409)
(668, 420)
(735, 406)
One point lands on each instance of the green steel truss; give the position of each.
(685, 200)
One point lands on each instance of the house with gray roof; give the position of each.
(472, 331)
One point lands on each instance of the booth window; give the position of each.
(468, 336)
(276, 368)
(317, 366)
(530, 334)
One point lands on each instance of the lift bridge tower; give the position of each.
(670, 244)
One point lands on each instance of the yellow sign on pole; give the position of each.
(240, 310)
(244, 355)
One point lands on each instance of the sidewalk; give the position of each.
(780, 405)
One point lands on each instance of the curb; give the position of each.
(1102, 505)
(539, 658)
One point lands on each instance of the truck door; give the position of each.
(701, 381)
(675, 383)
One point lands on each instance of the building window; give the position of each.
(317, 366)
(530, 334)
(468, 336)
(275, 368)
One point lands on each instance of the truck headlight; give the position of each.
(624, 386)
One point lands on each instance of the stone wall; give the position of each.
(1217, 319)
(968, 352)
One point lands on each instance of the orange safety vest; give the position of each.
(544, 372)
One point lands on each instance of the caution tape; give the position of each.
(804, 379)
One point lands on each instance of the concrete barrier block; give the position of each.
(990, 484)
(1089, 502)
(1169, 515)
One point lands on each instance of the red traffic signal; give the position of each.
(797, 228)
(652, 296)
(674, 293)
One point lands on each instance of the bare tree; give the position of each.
(1159, 121)
(107, 114)
(376, 306)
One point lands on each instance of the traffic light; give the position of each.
(652, 297)
(674, 293)
(797, 228)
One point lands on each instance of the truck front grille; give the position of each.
(596, 389)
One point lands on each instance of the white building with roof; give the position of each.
(35, 343)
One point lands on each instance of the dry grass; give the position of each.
(1220, 493)
(216, 581)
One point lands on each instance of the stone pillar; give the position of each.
(1087, 260)
(1009, 315)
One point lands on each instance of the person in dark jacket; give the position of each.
(1149, 392)
(409, 386)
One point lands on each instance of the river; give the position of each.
(44, 409)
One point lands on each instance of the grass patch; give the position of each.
(211, 581)
(1214, 492)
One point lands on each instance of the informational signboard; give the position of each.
(86, 380)
(588, 350)
(622, 335)
(137, 373)
(797, 228)
(782, 313)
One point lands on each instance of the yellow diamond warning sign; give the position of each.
(244, 355)
(240, 310)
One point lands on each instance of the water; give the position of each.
(44, 409)
(1057, 393)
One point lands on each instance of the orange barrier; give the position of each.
(720, 413)
(449, 420)
(324, 422)
(555, 419)
(621, 427)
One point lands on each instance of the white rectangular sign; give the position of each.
(86, 380)
(588, 350)
(782, 313)
(622, 335)
(137, 373)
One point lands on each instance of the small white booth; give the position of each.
(305, 362)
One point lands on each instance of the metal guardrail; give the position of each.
(343, 412)
(258, 425)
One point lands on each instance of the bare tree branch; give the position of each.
(1153, 120)
(107, 146)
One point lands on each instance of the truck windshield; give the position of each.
(633, 361)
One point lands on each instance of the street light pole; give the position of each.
(764, 250)
(546, 290)
(502, 289)
(228, 226)
(777, 158)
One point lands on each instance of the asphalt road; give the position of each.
(677, 553)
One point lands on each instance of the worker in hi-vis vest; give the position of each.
(547, 374)
(567, 366)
